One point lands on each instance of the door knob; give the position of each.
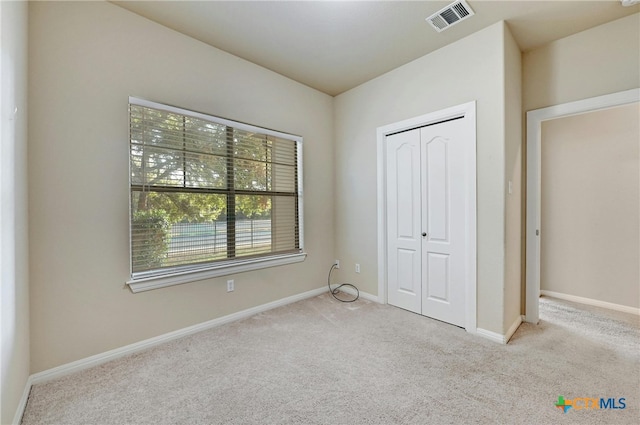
(424, 234)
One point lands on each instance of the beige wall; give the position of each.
(598, 61)
(14, 279)
(591, 205)
(470, 69)
(86, 58)
(513, 173)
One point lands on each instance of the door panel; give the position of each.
(407, 186)
(408, 261)
(403, 214)
(444, 209)
(437, 281)
(436, 189)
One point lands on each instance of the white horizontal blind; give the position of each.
(206, 190)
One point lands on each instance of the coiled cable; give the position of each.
(335, 291)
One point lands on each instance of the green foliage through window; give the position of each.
(150, 238)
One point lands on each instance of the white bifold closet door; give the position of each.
(427, 203)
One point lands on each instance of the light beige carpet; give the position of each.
(319, 361)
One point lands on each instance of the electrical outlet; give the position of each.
(357, 268)
(337, 263)
(230, 285)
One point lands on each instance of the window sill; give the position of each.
(155, 282)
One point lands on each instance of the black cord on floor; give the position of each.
(336, 290)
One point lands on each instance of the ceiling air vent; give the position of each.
(450, 15)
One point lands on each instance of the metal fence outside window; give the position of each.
(212, 236)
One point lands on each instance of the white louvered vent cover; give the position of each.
(454, 13)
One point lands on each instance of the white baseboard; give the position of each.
(107, 356)
(502, 339)
(22, 404)
(370, 297)
(493, 336)
(514, 327)
(589, 301)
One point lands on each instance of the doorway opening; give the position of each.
(534, 232)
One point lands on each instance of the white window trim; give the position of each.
(178, 277)
(238, 266)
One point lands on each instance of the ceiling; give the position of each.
(334, 46)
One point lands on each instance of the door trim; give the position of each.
(468, 111)
(535, 118)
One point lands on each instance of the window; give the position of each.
(209, 196)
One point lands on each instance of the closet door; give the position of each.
(404, 242)
(444, 207)
(428, 209)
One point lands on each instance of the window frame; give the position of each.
(144, 281)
